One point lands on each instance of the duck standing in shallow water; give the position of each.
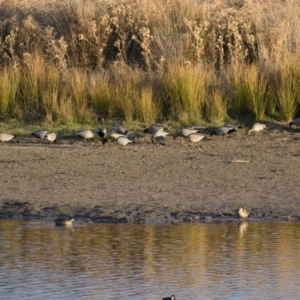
(64, 221)
(243, 213)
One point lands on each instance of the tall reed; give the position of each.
(78, 61)
(184, 86)
(9, 81)
(287, 92)
(148, 108)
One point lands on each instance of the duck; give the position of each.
(116, 135)
(222, 130)
(159, 135)
(295, 122)
(64, 221)
(153, 128)
(85, 134)
(40, 134)
(121, 140)
(169, 298)
(195, 137)
(5, 137)
(199, 128)
(120, 129)
(184, 132)
(132, 135)
(243, 213)
(51, 137)
(257, 127)
(101, 131)
(233, 125)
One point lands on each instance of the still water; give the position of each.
(115, 261)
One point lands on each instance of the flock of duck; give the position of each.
(121, 136)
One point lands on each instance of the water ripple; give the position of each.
(108, 261)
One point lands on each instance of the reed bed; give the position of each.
(192, 61)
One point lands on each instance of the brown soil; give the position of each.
(146, 182)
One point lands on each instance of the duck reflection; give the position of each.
(243, 226)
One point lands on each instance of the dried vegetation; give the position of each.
(189, 61)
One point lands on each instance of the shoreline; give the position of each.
(145, 183)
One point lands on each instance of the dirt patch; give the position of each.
(146, 182)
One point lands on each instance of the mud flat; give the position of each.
(143, 182)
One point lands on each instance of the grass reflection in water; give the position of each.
(248, 260)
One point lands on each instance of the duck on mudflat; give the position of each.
(51, 137)
(233, 125)
(5, 137)
(40, 134)
(295, 122)
(120, 129)
(222, 130)
(153, 128)
(257, 127)
(184, 132)
(121, 140)
(85, 134)
(195, 137)
(101, 131)
(159, 135)
(132, 135)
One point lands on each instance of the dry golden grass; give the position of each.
(76, 61)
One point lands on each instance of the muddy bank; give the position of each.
(149, 183)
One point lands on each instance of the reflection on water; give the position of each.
(117, 261)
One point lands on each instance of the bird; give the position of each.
(159, 135)
(222, 130)
(243, 213)
(257, 127)
(64, 221)
(101, 132)
(120, 129)
(132, 135)
(233, 125)
(199, 128)
(40, 134)
(195, 137)
(295, 122)
(169, 298)
(85, 134)
(184, 132)
(5, 137)
(121, 140)
(153, 128)
(51, 137)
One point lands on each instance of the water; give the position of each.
(117, 261)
